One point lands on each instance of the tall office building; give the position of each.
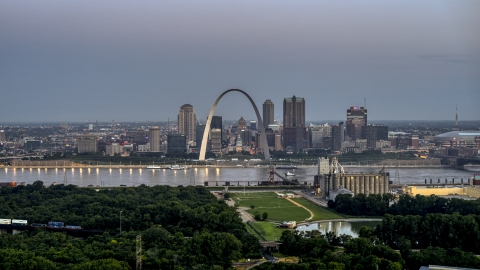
(295, 134)
(87, 143)
(268, 113)
(356, 123)
(337, 134)
(317, 133)
(187, 122)
(199, 130)
(176, 143)
(154, 138)
(216, 141)
(216, 122)
(293, 112)
(375, 133)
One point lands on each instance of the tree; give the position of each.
(264, 215)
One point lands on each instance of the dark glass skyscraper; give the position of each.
(294, 112)
(356, 123)
(268, 113)
(216, 122)
(295, 135)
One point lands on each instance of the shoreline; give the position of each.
(167, 167)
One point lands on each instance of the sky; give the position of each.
(74, 61)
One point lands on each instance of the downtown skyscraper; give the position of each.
(268, 113)
(295, 136)
(356, 123)
(293, 112)
(187, 121)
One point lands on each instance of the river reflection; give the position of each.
(237, 176)
(351, 228)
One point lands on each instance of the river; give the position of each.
(137, 176)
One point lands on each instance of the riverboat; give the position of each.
(177, 167)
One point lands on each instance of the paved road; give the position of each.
(243, 214)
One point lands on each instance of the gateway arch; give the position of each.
(203, 147)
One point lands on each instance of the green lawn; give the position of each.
(278, 209)
(319, 213)
(281, 209)
(267, 230)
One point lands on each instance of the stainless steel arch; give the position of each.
(203, 148)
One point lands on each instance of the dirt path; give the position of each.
(242, 210)
(299, 205)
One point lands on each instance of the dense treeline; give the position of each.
(424, 221)
(316, 251)
(379, 205)
(180, 227)
(439, 230)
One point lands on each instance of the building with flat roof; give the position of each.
(268, 113)
(154, 138)
(176, 143)
(216, 141)
(113, 149)
(293, 112)
(356, 123)
(87, 143)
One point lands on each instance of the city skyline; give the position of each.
(75, 61)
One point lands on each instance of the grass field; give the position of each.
(268, 230)
(277, 209)
(281, 209)
(319, 213)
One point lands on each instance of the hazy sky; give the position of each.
(142, 60)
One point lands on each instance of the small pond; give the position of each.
(350, 227)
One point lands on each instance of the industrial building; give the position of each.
(366, 183)
(470, 191)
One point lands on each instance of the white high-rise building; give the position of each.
(187, 122)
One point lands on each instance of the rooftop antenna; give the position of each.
(365, 102)
(456, 116)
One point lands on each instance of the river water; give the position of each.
(137, 176)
